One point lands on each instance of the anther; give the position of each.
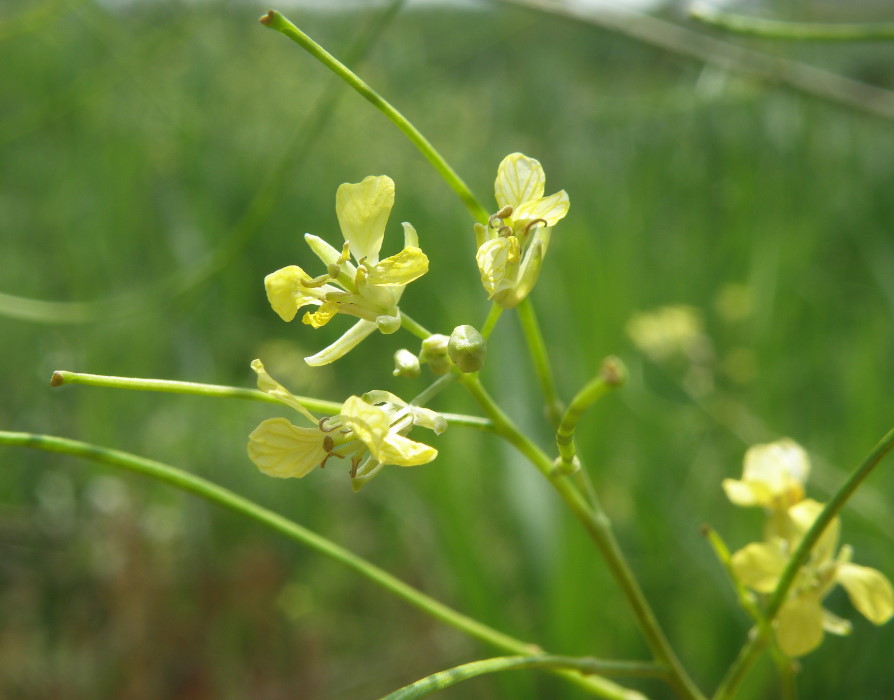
(504, 231)
(505, 212)
(533, 223)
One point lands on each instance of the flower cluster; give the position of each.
(774, 478)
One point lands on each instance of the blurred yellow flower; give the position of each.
(667, 332)
(512, 246)
(773, 477)
(369, 290)
(802, 620)
(369, 430)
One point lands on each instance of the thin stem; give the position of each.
(797, 31)
(414, 327)
(217, 494)
(432, 390)
(540, 357)
(169, 386)
(598, 526)
(275, 20)
(491, 321)
(445, 679)
(752, 648)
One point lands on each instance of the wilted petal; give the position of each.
(869, 591)
(269, 385)
(519, 179)
(362, 211)
(551, 209)
(800, 625)
(759, 565)
(343, 345)
(283, 450)
(400, 450)
(399, 270)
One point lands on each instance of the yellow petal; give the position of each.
(286, 292)
(869, 591)
(369, 423)
(399, 450)
(802, 515)
(283, 450)
(800, 625)
(781, 466)
(552, 209)
(519, 179)
(496, 259)
(269, 385)
(399, 270)
(322, 316)
(343, 345)
(362, 211)
(745, 493)
(527, 274)
(759, 565)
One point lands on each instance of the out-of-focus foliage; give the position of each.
(133, 141)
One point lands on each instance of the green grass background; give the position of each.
(167, 156)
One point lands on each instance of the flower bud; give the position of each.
(406, 364)
(434, 353)
(467, 349)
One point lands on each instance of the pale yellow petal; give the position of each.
(362, 211)
(836, 625)
(552, 209)
(322, 316)
(343, 345)
(369, 423)
(800, 625)
(269, 385)
(399, 270)
(802, 516)
(519, 179)
(286, 292)
(399, 450)
(781, 466)
(496, 259)
(527, 274)
(869, 591)
(283, 450)
(759, 565)
(411, 238)
(744, 493)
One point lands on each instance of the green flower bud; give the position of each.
(406, 364)
(467, 349)
(434, 353)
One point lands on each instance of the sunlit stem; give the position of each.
(413, 326)
(176, 387)
(612, 374)
(450, 677)
(598, 527)
(798, 31)
(276, 21)
(491, 321)
(540, 357)
(755, 644)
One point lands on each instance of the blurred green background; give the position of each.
(159, 158)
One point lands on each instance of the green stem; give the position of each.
(216, 494)
(414, 327)
(540, 357)
(491, 321)
(598, 526)
(275, 20)
(445, 679)
(798, 31)
(751, 651)
(175, 387)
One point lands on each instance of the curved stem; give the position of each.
(753, 647)
(217, 494)
(445, 679)
(798, 31)
(413, 326)
(598, 526)
(275, 20)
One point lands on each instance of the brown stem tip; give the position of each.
(57, 379)
(268, 18)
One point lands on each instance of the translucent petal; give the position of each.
(411, 238)
(369, 423)
(286, 292)
(269, 385)
(399, 450)
(744, 493)
(362, 211)
(519, 179)
(527, 274)
(836, 625)
(781, 466)
(800, 625)
(869, 591)
(552, 209)
(399, 270)
(802, 515)
(283, 450)
(429, 419)
(759, 565)
(495, 263)
(343, 345)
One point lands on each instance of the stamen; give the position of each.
(534, 223)
(308, 283)
(494, 220)
(504, 231)
(323, 422)
(345, 254)
(328, 457)
(505, 212)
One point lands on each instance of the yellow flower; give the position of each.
(369, 430)
(369, 290)
(802, 620)
(773, 477)
(667, 332)
(512, 246)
